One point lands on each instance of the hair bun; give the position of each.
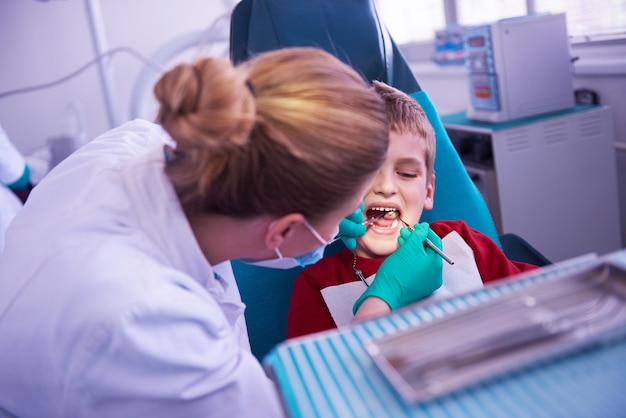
(206, 104)
(175, 90)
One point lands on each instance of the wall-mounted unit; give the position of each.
(519, 67)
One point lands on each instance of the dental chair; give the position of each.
(353, 31)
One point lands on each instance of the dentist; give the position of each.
(109, 302)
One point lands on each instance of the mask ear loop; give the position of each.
(315, 233)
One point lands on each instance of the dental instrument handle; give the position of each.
(430, 244)
(438, 251)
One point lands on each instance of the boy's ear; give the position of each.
(429, 201)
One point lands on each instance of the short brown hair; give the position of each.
(405, 115)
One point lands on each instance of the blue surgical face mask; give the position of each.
(284, 263)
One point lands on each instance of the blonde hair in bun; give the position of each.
(292, 130)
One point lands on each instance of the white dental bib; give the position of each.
(461, 277)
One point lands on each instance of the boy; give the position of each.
(324, 294)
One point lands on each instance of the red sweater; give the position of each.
(308, 312)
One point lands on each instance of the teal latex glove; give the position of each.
(410, 273)
(351, 228)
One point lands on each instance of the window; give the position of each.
(479, 12)
(417, 20)
(411, 20)
(589, 18)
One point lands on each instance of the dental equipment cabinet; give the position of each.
(550, 179)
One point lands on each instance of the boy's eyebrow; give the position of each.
(406, 160)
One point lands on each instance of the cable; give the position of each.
(197, 40)
(156, 67)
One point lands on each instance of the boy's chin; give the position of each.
(375, 249)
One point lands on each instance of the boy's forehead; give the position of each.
(410, 144)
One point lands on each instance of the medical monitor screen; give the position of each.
(476, 41)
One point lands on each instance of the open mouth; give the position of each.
(382, 217)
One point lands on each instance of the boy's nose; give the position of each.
(385, 184)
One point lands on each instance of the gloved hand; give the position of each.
(410, 273)
(351, 228)
(14, 171)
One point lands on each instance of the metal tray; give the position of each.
(540, 322)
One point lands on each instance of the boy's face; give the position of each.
(401, 186)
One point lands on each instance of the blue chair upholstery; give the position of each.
(518, 249)
(352, 31)
(266, 293)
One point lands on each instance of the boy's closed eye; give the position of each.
(409, 170)
(407, 174)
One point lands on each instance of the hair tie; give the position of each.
(251, 87)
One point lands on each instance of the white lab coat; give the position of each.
(11, 170)
(108, 307)
(10, 205)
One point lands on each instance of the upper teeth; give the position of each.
(385, 213)
(381, 209)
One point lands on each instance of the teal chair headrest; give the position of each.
(350, 30)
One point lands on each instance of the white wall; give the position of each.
(41, 41)
(600, 67)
